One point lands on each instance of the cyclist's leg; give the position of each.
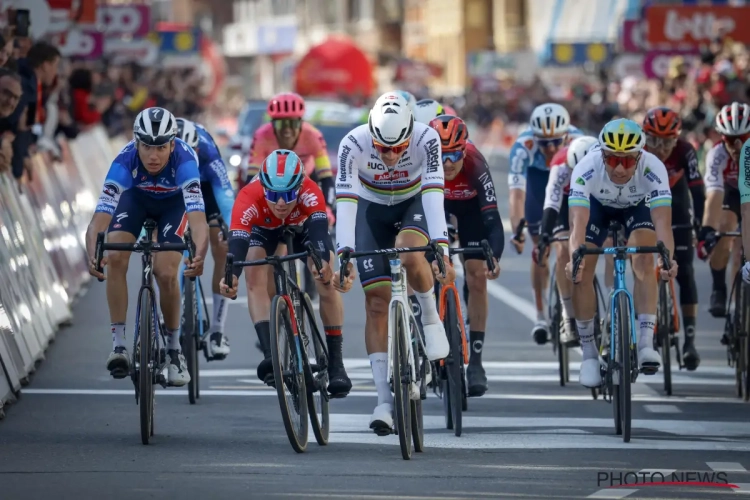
(720, 255)
(537, 182)
(471, 232)
(217, 345)
(414, 232)
(640, 232)
(584, 298)
(683, 255)
(125, 227)
(564, 286)
(609, 267)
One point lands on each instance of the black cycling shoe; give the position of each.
(265, 371)
(690, 356)
(718, 303)
(476, 379)
(339, 383)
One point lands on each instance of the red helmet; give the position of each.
(286, 105)
(452, 131)
(447, 110)
(662, 122)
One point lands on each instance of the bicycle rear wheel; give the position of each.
(455, 360)
(317, 381)
(598, 321)
(189, 338)
(420, 368)
(288, 374)
(663, 333)
(401, 382)
(146, 336)
(744, 331)
(623, 346)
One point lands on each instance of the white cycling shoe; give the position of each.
(436, 343)
(177, 372)
(381, 420)
(590, 375)
(649, 359)
(218, 346)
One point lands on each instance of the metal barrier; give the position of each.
(43, 263)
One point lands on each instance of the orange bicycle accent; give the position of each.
(444, 289)
(675, 308)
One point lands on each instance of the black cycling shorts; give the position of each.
(270, 239)
(562, 224)
(732, 200)
(631, 218)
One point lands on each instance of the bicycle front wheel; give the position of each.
(317, 380)
(288, 374)
(189, 337)
(401, 380)
(624, 347)
(663, 333)
(146, 336)
(455, 360)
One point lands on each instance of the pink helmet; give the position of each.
(286, 105)
(447, 110)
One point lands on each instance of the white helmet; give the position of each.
(733, 119)
(391, 122)
(155, 127)
(187, 131)
(578, 149)
(427, 110)
(411, 100)
(549, 120)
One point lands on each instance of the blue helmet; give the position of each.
(282, 171)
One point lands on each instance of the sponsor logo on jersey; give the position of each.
(249, 214)
(580, 181)
(354, 141)
(489, 188)
(194, 187)
(528, 144)
(432, 148)
(318, 216)
(343, 159)
(376, 166)
(110, 189)
(746, 165)
(651, 176)
(390, 176)
(588, 175)
(308, 199)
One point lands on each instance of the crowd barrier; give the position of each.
(43, 264)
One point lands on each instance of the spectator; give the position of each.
(10, 92)
(87, 110)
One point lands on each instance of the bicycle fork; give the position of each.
(398, 294)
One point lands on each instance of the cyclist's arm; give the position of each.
(579, 204)
(695, 181)
(117, 181)
(188, 178)
(660, 201)
(257, 155)
(744, 187)
(245, 214)
(493, 224)
(433, 188)
(347, 194)
(559, 177)
(221, 187)
(714, 181)
(520, 160)
(316, 228)
(322, 162)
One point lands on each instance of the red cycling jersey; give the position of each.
(683, 159)
(473, 180)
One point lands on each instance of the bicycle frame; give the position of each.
(444, 289)
(620, 287)
(398, 295)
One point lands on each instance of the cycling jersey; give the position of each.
(525, 154)
(744, 181)
(471, 193)
(213, 172)
(558, 185)
(362, 174)
(590, 179)
(682, 163)
(179, 176)
(721, 169)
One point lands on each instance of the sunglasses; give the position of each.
(293, 123)
(382, 148)
(287, 196)
(543, 143)
(627, 162)
(730, 141)
(660, 142)
(453, 156)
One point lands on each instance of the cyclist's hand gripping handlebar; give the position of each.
(229, 272)
(345, 257)
(315, 256)
(99, 253)
(488, 257)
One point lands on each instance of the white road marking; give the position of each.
(742, 488)
(612, 493)
(661, 409)
(726, 466)
(664, 472)
(242, 301)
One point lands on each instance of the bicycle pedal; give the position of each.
(119, 373)
(381, 430)
(649, 369)
(269, 381)
(340, 395)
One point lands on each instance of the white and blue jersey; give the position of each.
(529, 172)
(217, 189)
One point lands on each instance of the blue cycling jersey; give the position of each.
(525, 154)
(179, 176)
(213, 170)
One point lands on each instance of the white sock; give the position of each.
(220, 313)
(588, 345)
(426, 300)
(118, 335)
(173, 339)
(379, 365)
(568, 308)
(647, 323)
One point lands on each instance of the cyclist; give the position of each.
(470, 196)
(145, 181)
(530, 156)
(555, 223)
(427, 109)
(733, 123)
(662, 127)
(390, 193)
(218, 197)
(410, 99)
(619, 181)
(280, 196)
(744, 186)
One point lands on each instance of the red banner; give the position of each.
(691, 25)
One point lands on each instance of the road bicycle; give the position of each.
(450, 373)
(407, 368)
(149, 357)
(195, 323)
(298, 351)
(620, 369)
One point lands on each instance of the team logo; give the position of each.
(194, 187)
(111, 189)
(580, 181)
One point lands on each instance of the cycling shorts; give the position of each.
(135, 207)
(269, 239)
(732, 200)
(563, 223)
(631, 218)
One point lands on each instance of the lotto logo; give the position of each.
(133, 20)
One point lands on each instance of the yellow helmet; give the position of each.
(622, 136)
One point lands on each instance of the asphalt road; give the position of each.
(75, 433)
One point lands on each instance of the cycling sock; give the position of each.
(220, 313)
(416, 308)
(173, 339)
(379, 365)
(588, 343)
(689, 322)
(426, 300)
(118, 335)
(263, 331)
(477, 344)
(720, 278)
(332, 331)
(567, 305)
(647, 322)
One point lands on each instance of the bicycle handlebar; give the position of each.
(146, 247)
(347, 254)
(485, 250)
(545, 240)
(583, 250)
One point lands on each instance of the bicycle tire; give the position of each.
(735, 338)
(624, 348)
(317, 379)
(421, 365)
(402, 400)
(288, 351)
(597, 327)
(663, 328)
(146, 336)
(455, 359)
(189, 336)
(744, 342)
(555, 315)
